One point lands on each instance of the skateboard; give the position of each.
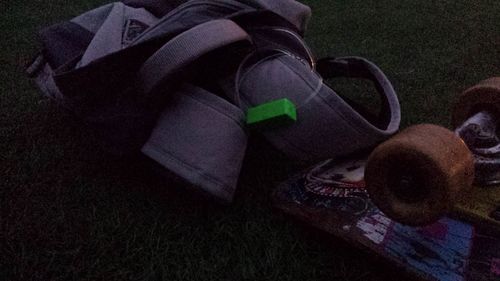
(427, 199)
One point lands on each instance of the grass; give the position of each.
(68, 211)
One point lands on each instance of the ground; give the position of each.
(69, 211)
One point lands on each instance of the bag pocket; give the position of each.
(201, 138)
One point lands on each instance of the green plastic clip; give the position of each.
(272, 114)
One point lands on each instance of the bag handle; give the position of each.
(186, 48)
(358, 67)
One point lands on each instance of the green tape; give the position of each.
(271, 114)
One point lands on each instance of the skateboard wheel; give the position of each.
(419, 174)
(483, 96)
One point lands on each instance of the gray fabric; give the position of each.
(64, 42)
(93, 19)
(198, 11)
(327, 127)
(201, 138)
(192, 13)
(45, 81)
(109, 37)
(158, 7)
(186, 48)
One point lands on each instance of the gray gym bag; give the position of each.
(174, 79)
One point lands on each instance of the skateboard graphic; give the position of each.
(427, 199)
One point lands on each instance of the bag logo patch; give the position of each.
(132, 29)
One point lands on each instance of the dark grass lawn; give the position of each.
(70, 211)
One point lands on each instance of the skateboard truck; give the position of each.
(480, 133)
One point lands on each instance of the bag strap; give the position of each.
(358, 67)
(186, 48)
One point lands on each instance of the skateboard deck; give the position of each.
(462, 246)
